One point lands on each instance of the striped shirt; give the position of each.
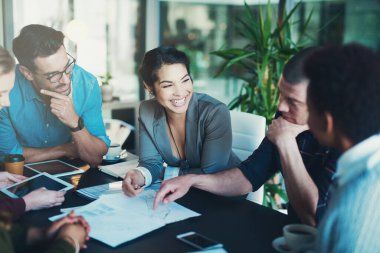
(352, 220)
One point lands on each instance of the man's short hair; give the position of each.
(345, 81)
(36, 41)
(293, 72)
(7, 63)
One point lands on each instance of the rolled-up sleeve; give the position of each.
(261, 165)
(92, 114)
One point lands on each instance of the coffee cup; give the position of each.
(113, 151)
(299, 237)
(14, 163)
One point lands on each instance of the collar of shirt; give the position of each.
(27, 87)
(362, 157)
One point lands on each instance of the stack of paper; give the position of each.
(94, 192)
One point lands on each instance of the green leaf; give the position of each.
(259, 63)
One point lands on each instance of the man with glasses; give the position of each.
(56, 105)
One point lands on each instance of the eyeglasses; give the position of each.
(56, 76)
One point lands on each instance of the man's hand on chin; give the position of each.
(281, 130)
(62, 106)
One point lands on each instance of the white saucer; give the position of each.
(279, 245)
(111, 159)
(122, 156)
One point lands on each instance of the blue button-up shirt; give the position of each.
(320, 163)
(28, 122)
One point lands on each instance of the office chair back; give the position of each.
(248, 131)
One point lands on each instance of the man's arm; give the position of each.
(41, 154)
(230, 182)
(301, 189)
(90, 148)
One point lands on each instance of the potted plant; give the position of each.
(106, 87)
(259, 65)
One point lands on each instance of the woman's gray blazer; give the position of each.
(208, 137)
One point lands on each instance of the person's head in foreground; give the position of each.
(43, 58)
(344, 95)
(7, 76)
(344, 112)
(166, 75)
(293, 89)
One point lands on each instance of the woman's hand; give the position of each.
(7, 178)
(43, 198)
(71, 228)
(69, 219)
(133, 183)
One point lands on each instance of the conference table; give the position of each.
(240, 225)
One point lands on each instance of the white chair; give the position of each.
(248, 130)
(117, 130)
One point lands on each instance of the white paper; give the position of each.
(143, 204)
(116, 218)
(114, 226)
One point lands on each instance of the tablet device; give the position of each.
(54, 167)
(50, 182)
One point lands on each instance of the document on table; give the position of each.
(116, 218)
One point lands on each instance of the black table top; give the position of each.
(240, 225)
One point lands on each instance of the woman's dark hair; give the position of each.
(155, 58)
(36, 41)
(345, 81)
(7, 63)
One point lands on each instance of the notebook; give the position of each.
(119, 170)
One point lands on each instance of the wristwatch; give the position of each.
(79, 127)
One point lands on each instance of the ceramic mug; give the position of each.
(299, 237)
(113, 151)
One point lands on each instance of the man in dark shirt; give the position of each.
(319, 163)
(289, 147)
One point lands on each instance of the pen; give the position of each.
(137, 187)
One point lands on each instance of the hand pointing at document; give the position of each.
(173, 189)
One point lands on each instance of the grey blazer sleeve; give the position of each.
(149, 156)
(217, 141)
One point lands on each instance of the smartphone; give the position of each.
(198, 241)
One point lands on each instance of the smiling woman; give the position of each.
(181, 131)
